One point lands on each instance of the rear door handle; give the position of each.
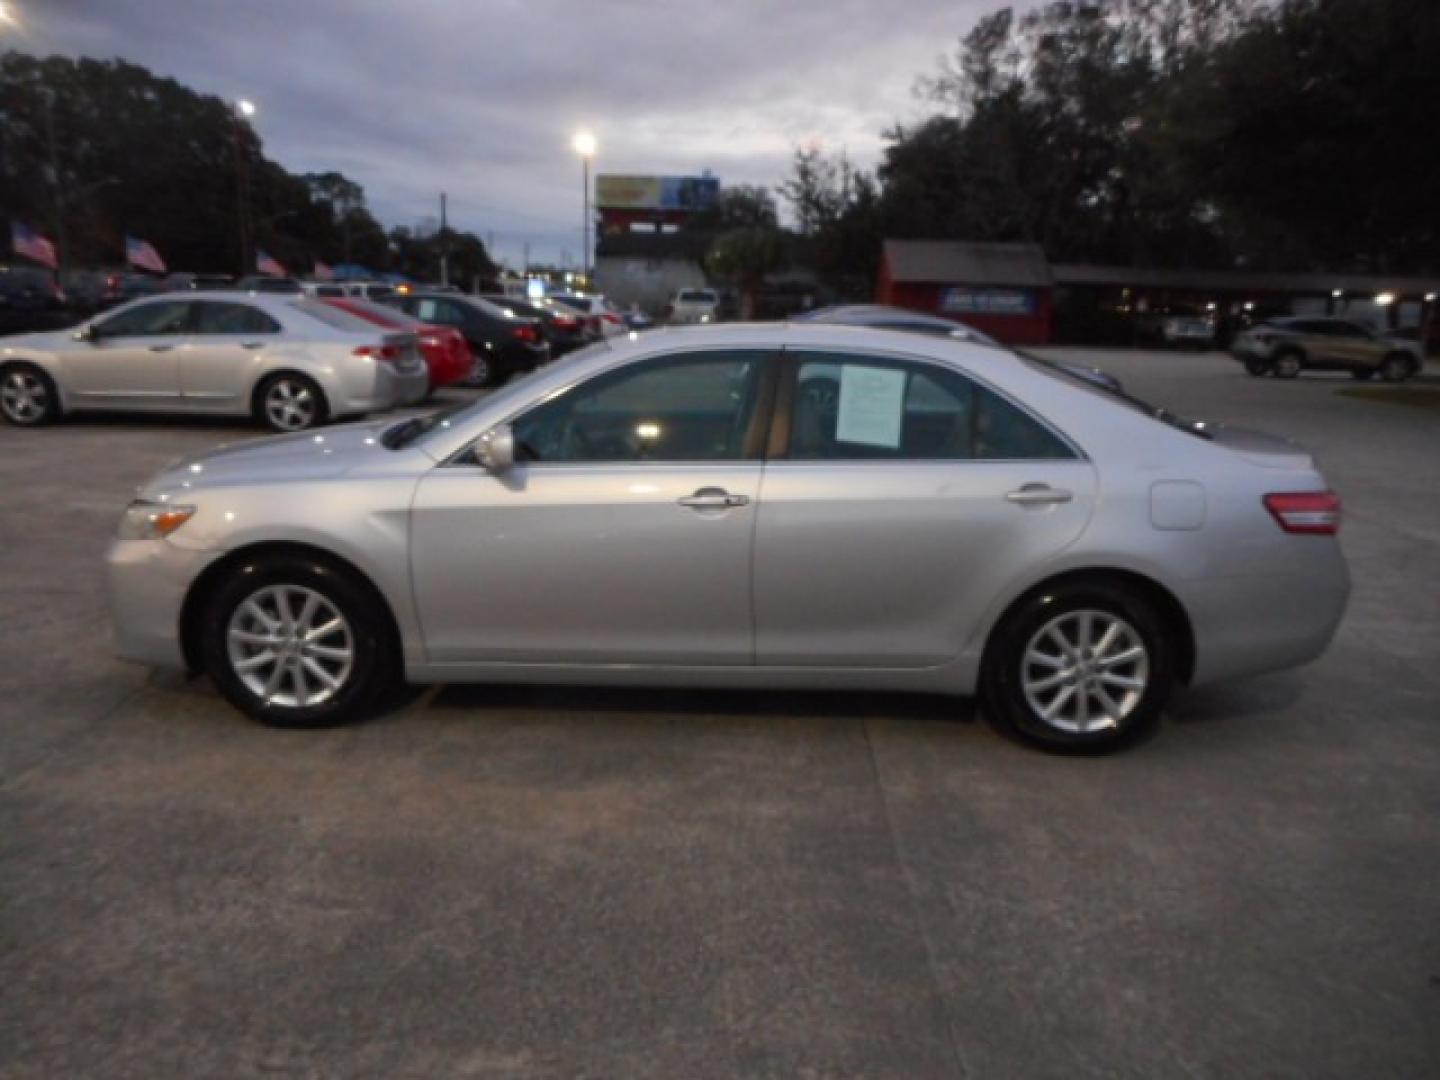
(1038, 495)
(251, 344)
(710, 498)
(161, 348)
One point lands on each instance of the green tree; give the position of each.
(742, 257)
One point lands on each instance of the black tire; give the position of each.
(1010, 700)
(304, 392)
(1396, 368)
(362, 682)
(1257, 368)
(28, 397)
(1287, 364)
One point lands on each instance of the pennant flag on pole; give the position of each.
(323, 272)
(266, 264)
(141, 254)
(32, 245)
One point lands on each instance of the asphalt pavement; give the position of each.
(539, 882)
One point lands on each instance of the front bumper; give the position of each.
(147, 581)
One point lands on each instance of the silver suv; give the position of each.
(1285, 347)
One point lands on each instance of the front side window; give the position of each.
(849, 408)
(696, 407)
(144, 320)
(213, 317)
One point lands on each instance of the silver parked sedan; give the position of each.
(746, 506)
(288, 361)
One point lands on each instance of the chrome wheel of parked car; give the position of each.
(290, 646)
(296, 640)
(1287, 365)
(291, 403)
(1396, 368)
(1085, 671)
(27, 396)
(1083, 666)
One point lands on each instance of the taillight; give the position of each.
(388, 353)
(566, 322)
(527, 333)
(611, 317)
(1313, 512)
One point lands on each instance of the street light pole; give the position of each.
(585, 146)
(243, 111)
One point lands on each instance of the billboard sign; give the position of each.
(685, 193)
(962, 301)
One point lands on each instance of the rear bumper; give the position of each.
(390, 388)
(1253, 623)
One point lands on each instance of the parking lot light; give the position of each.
(1385, 299)
(585, 146)
(246, 107)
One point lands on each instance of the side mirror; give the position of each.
(87, 333)
(495, 450)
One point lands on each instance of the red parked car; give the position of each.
(445, 350)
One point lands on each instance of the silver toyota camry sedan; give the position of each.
(746, 506)
(288, 361)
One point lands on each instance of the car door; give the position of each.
(220, 356)
(129, 359)
(622, 534)
(899, 496)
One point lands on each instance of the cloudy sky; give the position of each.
(479, 98)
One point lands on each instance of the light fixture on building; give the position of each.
(1337, 293)
(1385, 299)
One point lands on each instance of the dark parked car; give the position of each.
(881, 317)
(30, 299)
(502, 342)
(564, 328)
(186, 280)
(1286, 347)
(260, 283)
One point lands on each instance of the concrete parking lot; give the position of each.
(547, 883)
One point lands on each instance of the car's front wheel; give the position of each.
(27, 396)
(1287, 364)
(1080, 668)
(295, 642)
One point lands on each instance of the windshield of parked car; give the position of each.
(417, 428)
(332, 316)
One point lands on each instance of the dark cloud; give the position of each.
(479, 97)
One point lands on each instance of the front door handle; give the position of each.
(251, 344)
(161, 348)
(713, 498)
(1038, 495)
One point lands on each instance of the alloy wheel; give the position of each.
(290, 646)
(1085, 671)
(290, 405)
(24, 397)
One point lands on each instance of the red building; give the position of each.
(1004, 290)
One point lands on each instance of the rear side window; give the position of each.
(849, 408)
(212, 317)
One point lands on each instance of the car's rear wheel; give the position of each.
(290, 402)
(1396, 368)
(27, 396)
(1287, 364)
(1080, 668)
(295, 642)
(1257, 367)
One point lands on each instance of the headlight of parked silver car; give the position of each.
(144, 520)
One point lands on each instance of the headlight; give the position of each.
(150, 521)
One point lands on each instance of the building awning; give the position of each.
(953, 262)
(1238, 281)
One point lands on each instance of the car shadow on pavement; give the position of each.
(1236, 700)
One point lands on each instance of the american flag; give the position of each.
(323, 272)
(266, 264)
(32, 245)
(141, 254)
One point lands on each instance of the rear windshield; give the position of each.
(1155, 412)
(333, 317)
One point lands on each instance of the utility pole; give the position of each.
(444, 244)
(527, 258)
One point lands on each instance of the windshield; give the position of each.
(417, 428)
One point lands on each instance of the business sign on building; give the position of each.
(962, 301)
(615, 192)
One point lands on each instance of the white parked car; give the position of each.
(289, 361)
(602, 318)
(693, 306)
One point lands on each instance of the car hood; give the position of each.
(306, 455)
(43, 341)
